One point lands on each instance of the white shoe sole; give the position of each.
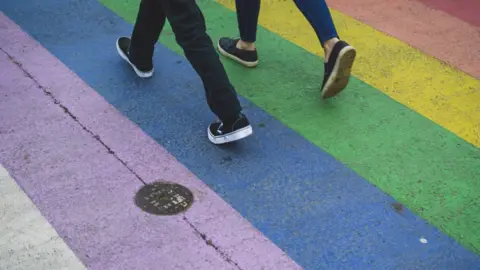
(233, 57)
(341, 72)
(234, 136)
(140, 73)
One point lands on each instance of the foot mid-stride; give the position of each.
(337, 69)
(123, 47)
(225, 132)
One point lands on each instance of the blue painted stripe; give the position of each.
(317, 210)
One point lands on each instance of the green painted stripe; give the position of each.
(422, 165)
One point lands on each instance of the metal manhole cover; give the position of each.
(164, 199)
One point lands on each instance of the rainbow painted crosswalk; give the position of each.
(385, 176)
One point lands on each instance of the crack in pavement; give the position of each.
(203, 236)
(71, 115)
(210, 243)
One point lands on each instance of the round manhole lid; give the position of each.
(164, 198)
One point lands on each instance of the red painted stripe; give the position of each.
(432, 31)
(466, 10)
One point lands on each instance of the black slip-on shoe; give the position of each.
(228, 48)
(220, 132)
(123, 47)
(338, 69)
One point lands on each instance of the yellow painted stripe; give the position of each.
(434, 89)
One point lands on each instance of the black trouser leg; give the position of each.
(147, 29)
(188, 24)
(247, 17)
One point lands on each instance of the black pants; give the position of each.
(188, 24)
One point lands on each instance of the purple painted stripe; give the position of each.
(87, 193)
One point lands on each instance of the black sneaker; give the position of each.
(123, 46)
(228, 48)
(220, 133)
(337, 69)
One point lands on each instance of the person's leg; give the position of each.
(243, 49)
(138, 51)
(339, 55)
(247, 18)
(188, 24)
(320, 18)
